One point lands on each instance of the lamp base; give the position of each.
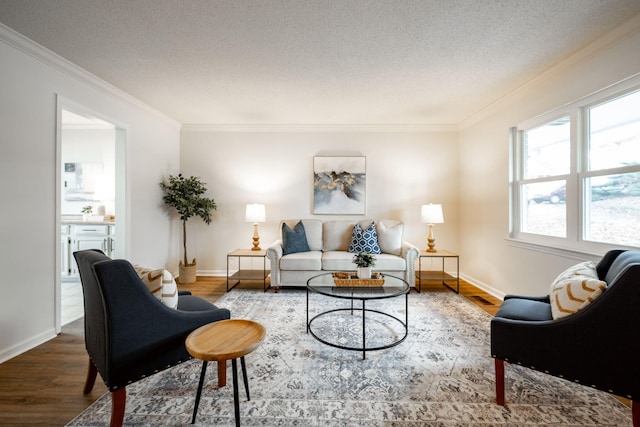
(256, 238)
(431, 241)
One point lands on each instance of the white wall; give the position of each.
(31, 78)
(404, 170)
(486, 256)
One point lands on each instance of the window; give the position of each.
(576, 174)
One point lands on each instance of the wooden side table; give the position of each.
(221, 341)
(247, 274)
(438, 275)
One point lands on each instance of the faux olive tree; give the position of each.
(185, 195)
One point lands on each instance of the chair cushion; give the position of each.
(294, 240)
(390, 236)
(194, 303)
(160, 283)
(574, 289)
(525, 309)
(364, 240)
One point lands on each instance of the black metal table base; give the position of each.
(236, 399)
(364, 310)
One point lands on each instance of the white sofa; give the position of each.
(329, 244)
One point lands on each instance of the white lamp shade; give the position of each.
(255, 213)
(432, 214)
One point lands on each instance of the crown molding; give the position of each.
(62, 65)
(622, 32)
(305, 128)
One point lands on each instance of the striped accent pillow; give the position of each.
(160, 283)
(574, 289)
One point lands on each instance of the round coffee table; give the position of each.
(220, 341)
(393, 287)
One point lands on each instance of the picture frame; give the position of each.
(339, 185)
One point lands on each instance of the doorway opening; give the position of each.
(91, 199)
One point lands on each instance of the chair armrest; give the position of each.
(541, 298)
(274, 254)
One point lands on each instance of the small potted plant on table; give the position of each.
(364, 261)
(86, 212)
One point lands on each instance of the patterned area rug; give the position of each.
(441, 375)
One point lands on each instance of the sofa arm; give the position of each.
(410, 254)
(274, 254)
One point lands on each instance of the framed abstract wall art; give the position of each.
(339, 185)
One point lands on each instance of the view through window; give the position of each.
(582, 183)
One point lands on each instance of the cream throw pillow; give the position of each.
(574, 289)
(390, 237)
(161, 284)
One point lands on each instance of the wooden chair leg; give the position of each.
(92, 372)
(499, 381)
(118, 402)
(635, 413)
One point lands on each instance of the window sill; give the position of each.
(556, 250)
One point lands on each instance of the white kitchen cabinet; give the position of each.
(82, 236)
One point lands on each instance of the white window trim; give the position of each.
(573, 245)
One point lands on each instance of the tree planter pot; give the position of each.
(187, 273)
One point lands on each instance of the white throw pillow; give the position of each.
(161, 284)
(574, 289)
(390, 236)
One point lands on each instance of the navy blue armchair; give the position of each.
(597, 346)
(129, 334)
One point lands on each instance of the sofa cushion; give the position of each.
(390, 236)
(364, 239)
(336, 235)
(160, 283)
(574, 289)
(294, 239)
(311, 260)
(388, 262)
(338, 261)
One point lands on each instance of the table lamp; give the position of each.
(255, 213)
(432, 214)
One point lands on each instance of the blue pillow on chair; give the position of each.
(364, 240)
(294, 240)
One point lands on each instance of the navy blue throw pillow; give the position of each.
(364, 240)
(294, 240)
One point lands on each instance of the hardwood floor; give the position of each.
(43, 387)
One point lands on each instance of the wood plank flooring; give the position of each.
(43, 387)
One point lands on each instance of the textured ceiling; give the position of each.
(316, 62)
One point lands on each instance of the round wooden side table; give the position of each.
(221, 341)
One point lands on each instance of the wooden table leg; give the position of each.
(222, 373)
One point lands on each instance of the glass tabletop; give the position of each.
(324, 284)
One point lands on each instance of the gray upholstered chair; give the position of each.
(596, 346)
(129, 334)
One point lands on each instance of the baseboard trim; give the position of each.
(483, 286)
(27, 345)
